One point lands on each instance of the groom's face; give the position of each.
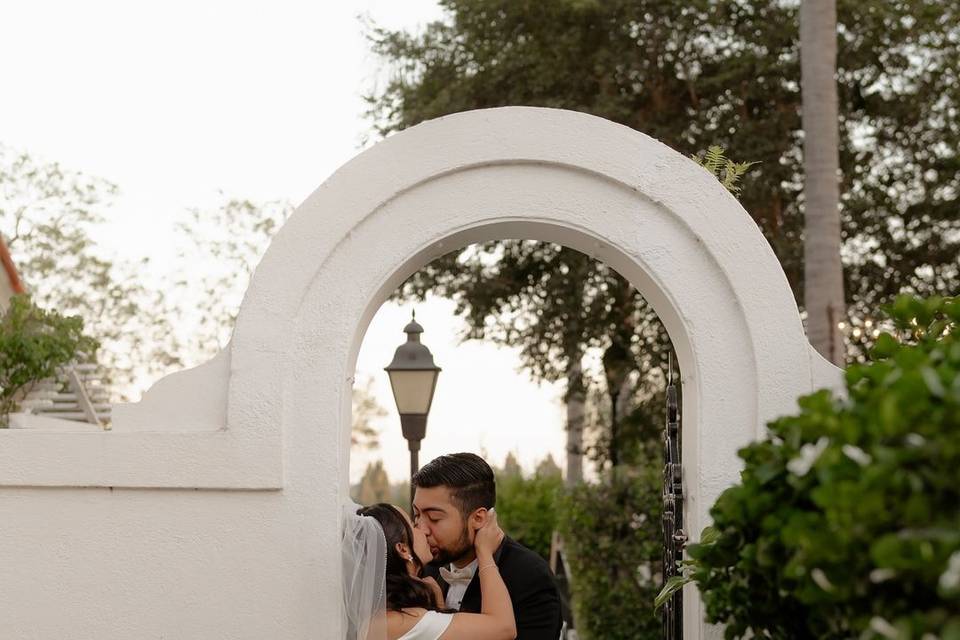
(440, 519)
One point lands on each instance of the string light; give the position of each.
(863, 328)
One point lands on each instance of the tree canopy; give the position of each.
(49, 217)
(727, 72)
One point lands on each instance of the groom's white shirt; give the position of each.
(458, 581)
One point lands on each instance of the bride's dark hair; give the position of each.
(403, 590)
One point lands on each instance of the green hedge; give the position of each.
(846, 523)
(527, 507)
(612, 535)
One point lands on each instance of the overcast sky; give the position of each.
(177, 101)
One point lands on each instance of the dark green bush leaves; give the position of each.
(846, 522)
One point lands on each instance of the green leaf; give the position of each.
(885, 346)
(709, 535)
(673, 585)
(934, 384)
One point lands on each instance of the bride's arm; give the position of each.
(437, 592)
(495, 620)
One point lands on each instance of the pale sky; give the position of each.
(177, 101)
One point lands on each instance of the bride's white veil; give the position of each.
(364, 555)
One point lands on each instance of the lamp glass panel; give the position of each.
(413, 390)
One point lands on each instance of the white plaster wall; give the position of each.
(6, 292)
(226, 479)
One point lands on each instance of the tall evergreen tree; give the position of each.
(374, 487)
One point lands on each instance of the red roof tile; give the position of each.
(9, 269)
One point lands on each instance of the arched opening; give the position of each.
(541, 296)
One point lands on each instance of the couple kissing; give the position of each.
(447, 571)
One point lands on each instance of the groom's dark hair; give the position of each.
(467, 475)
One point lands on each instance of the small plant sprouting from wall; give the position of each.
(724, 169)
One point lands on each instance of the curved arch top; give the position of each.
(512, 136)
(515, 135)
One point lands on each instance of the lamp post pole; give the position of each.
(413, 378)
(414, 430)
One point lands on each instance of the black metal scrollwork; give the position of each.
(674, 537)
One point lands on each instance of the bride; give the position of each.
(385, 597)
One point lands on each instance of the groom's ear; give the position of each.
(479, 517)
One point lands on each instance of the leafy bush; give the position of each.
(33, 344)
(846, 522)
(612, 535)
(527, 507)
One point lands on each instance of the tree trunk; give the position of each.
(616, 368)
(576, 411)
(614, 452)
(625, 397)
(823, 272)
(620, 400)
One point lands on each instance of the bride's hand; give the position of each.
(489, 536)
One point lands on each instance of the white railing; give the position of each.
(75, 393)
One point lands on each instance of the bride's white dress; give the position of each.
(430, 626)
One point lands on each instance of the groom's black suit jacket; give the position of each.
(533, 591)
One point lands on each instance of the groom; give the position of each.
(449, 491)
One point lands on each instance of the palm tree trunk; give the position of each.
(823, 272)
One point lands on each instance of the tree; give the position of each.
(528, 504)
(511, 467)
(548, 468)
(147, 326)
(34, 343)
(728, 73)
(365, 410)
(229, 240)
(823, 273)
(555, 304)
(374, 486)
(48, 215)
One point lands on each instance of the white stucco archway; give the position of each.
(557, 176)
(272, 413)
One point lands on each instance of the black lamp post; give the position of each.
(413, 377)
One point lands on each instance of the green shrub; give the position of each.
(846, 522)
(612, 535)
(33, 344)
(527, 506)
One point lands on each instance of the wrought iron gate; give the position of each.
(674, 537)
